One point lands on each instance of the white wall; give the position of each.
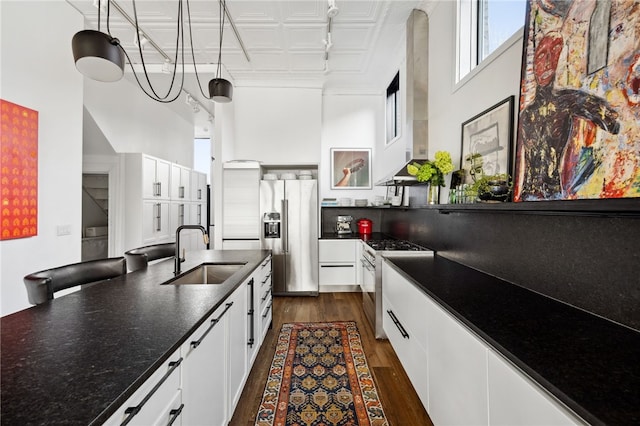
(450, 105)
(351, 121)
(277, 125)
(37, 71)
(132, 122)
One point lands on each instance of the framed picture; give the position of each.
(350, 168)
(486, 142)
(579, 115)
(18, 171)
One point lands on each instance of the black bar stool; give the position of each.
(139, 258)
(42, 285)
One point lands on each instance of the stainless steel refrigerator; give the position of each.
(289, 212)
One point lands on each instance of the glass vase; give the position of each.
(433, 194)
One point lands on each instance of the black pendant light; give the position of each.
(221, 90)
(98, 55)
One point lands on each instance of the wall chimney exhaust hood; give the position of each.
(417, 79)
(402, 176)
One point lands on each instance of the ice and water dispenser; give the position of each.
(271, 225)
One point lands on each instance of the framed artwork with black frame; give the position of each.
(351, 168)
(486, 142)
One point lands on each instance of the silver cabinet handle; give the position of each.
(181, 192)
(199, 194)
(159, 217)
(285, 225)
(132, 411)
(367, 265)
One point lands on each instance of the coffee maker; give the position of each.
(343, 224)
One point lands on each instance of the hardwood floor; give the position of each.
(399, 400)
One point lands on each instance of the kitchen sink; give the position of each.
(210, 273)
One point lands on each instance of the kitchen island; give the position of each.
(78, 358)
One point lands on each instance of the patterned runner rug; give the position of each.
(319, 376)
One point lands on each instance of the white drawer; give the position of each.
(337, 250)
(337, 274)
(266, 315)
(413, 303)
(156, 406)
(265, 297)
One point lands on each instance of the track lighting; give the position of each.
(143, 40)
(167, 67)
(333, 10)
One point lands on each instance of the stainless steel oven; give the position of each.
(371, 259)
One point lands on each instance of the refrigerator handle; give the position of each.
(285, 226)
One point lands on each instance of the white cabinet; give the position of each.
(158, 199)
(259, 306)
(515, 401)
(337, 261)
(459, 378)
(155, 176)
(404, 311)
(154, 223)
(154, 406)
(198, 186)
(241, 201)
(145, 181)
(180, 183)
(266, 299)
(179, 214)
(203, 372)
(457, 372)
(238, 334)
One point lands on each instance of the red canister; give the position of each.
(364, 226)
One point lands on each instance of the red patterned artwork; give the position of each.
(18, 171)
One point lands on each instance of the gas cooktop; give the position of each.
(390, 244)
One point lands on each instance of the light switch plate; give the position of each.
(63, 230)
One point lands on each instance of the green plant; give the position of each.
(432, 171)
(483, 186)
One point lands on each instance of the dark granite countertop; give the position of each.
(589, 363)
(78, 358)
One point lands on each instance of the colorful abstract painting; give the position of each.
(18, 171)
(579, 116)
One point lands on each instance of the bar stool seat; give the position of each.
(139, 258)
(42, 285)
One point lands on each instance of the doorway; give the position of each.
(95, 216)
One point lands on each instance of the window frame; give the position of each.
(469, 40)
(397, 110)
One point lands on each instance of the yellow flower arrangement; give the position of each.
(432, 171)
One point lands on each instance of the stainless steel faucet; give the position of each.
(178, 260)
